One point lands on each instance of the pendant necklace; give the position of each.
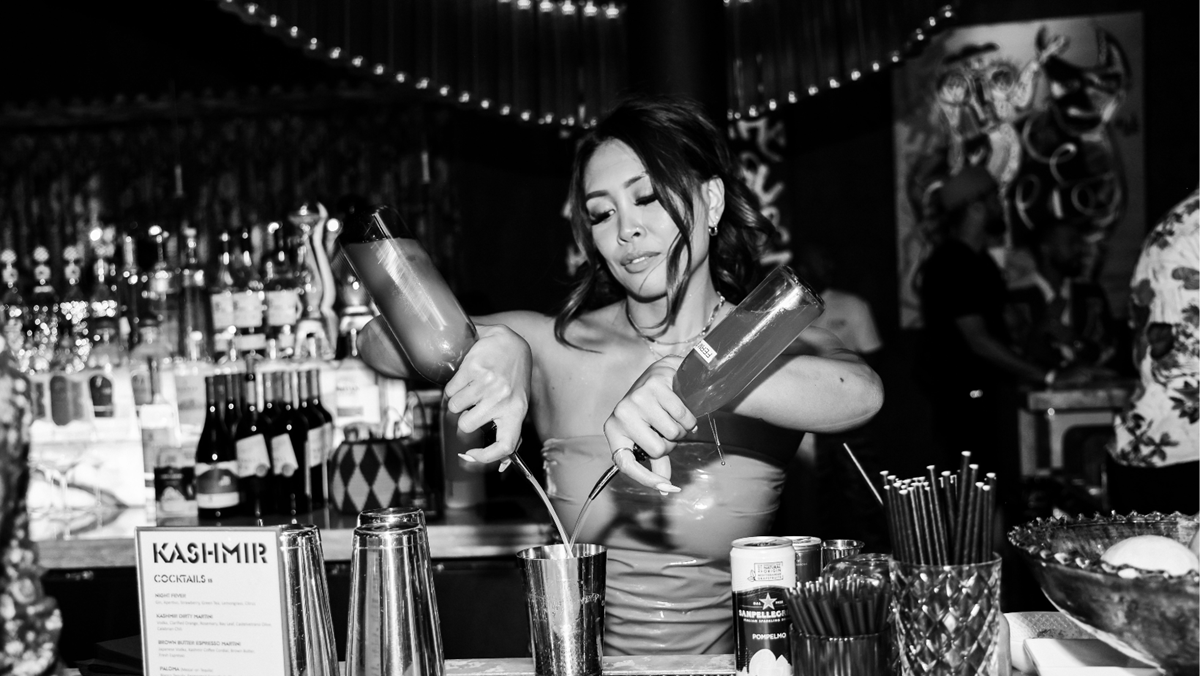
(651, 341)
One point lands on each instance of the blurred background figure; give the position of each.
(30, 622)
(1155, 462)
(1059, 320)
(842, 501)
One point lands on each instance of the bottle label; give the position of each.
(283, 455)
(141, 388)
(190, 396)
(102, 396)
(316, 446)
(222, 310)
(253, 458)
(247, 310)
(283, 307)
(217, 484)
(246, 342)
(65, 399)
(706, 352)
(174, 490)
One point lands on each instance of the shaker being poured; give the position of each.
(427, 321)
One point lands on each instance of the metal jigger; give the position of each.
(311, 647)
(393, 627)
(318, 322)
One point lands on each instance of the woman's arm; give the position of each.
(817, 385)
(491, 384)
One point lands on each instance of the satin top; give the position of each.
(668, 586)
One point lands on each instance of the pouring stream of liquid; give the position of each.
(562, 532)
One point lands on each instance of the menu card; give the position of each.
(211, 601)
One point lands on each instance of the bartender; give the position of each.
(671, 236)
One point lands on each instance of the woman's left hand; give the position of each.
(492, 385)
(651, 417)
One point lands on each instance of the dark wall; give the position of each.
(840, 182)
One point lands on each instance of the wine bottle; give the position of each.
(216, 458)
(314, 443)
(43, 318)
(162, 290)
(195, 324)
(16, 310)
(233, 402)
(424, 316)
(132, 292)
(248, 307)
(221, 298)
(253, 454)
(294, 488)
(282, 291)
(314, 393)
(74, 311)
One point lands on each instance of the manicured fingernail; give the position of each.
(466, 458)
(504, 465)
(665, 488)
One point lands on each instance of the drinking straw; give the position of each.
(863, 472)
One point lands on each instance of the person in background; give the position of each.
(30, 622)
(966, 361)
(1154, 464)
(846, 506)
(1057, 319)
(671, 237)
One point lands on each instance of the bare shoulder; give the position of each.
(592, 330)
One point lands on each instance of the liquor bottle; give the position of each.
(189, 370)
(194, 309)
(162, 290)
(233, 401)
(357, 390)
(132, 292)
(286, 433)
(248, 305)
(74, 309)
(108, 350)
(151, 347)
(216, 458)
(158, 422)
(43, 326)
(221, 298)
(254, 458)
(282, 291)
(15, 309)
(316, 441)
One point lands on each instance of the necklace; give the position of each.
(651, 341)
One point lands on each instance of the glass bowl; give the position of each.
(1150, 615)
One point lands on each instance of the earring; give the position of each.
(712, 230)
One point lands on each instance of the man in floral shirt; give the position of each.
(1155, 463)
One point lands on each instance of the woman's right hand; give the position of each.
(492, 386)
(650, 416)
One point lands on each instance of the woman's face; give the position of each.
(630, 227)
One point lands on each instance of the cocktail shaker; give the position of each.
(311, 647)
(401, 517)
(393, 624)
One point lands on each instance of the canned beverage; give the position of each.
(763, 570)
(808, 557)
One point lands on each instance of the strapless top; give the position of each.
(668, 587)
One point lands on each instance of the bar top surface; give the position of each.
(104, 539)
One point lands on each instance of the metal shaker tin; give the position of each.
(763, 570)
(808, 557)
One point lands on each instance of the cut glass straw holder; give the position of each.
(947, 618)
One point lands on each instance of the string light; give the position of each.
(335, 52)
(855, 74)
(590, 8)
(611, 11)
(568, 8)
(380, 69)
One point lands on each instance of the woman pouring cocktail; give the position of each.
(672, 238)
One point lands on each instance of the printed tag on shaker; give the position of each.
(705, 351)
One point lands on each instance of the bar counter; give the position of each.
(104, 539)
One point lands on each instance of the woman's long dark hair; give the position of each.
(681, 150)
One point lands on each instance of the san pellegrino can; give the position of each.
(763, 569)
